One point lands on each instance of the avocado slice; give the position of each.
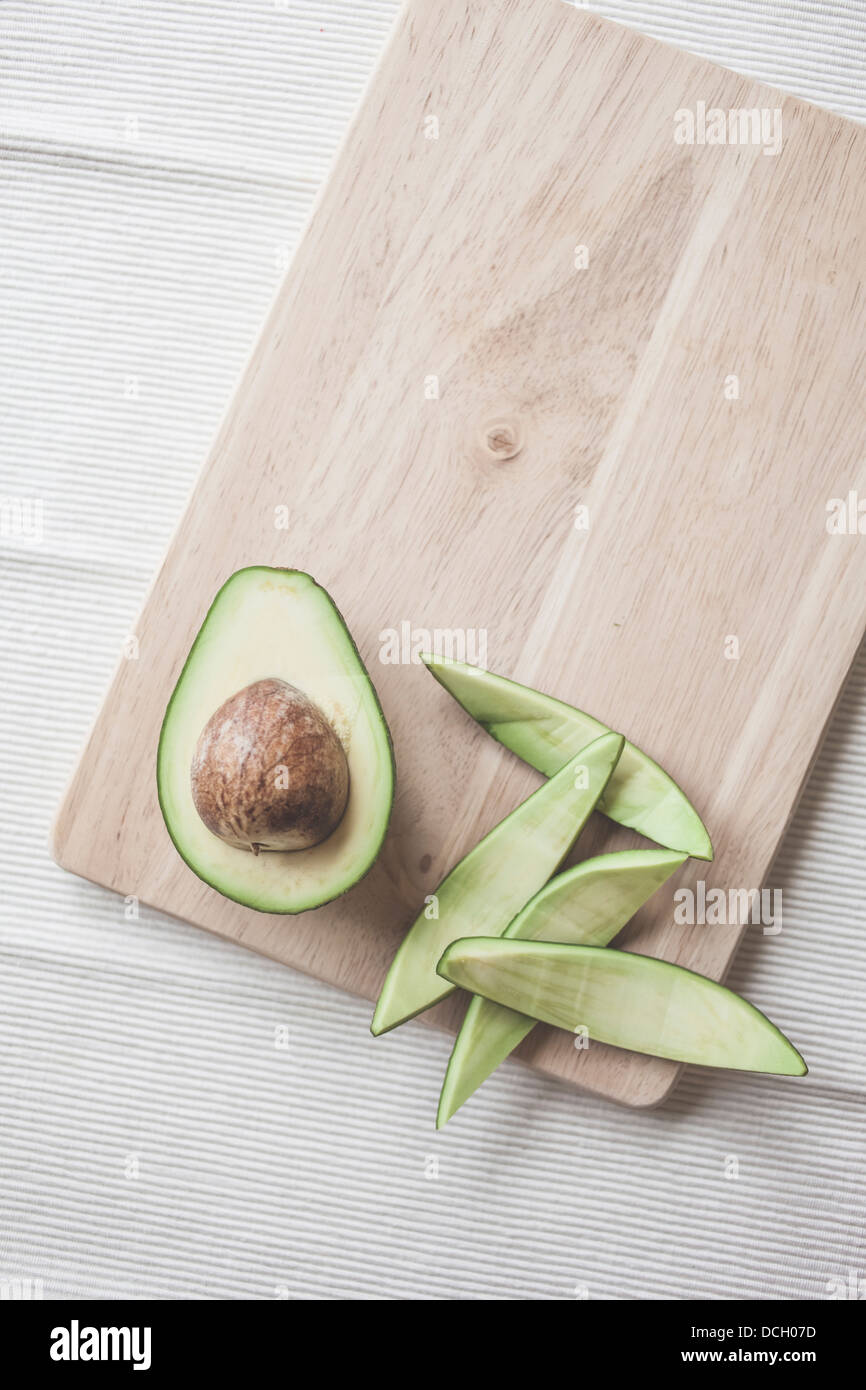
(546, 733)
(635, 1002)
(273, 626)
(495, 879)
(586, 905)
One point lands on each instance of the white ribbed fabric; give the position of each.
(159, 160)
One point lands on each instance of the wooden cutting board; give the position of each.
(443, 381)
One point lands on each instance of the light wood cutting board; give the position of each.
(608, 387)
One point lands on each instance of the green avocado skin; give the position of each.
(486, 889)
(546, 732)
(280, 623)
(631, 1001)
(588, 904)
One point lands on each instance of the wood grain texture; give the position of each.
(454, 257)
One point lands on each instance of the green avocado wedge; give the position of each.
(493, 882)
(635, 1002)
(546, 733)
(586, 905)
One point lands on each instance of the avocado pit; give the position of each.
(269, 772)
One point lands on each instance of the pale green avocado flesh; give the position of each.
(278, 623)
(588, 904)
(546, 733)
(494, 881)
(630, 1001)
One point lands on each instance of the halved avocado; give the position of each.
(274, 626)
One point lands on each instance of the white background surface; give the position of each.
(159, 160)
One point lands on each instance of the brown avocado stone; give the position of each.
(269, 772)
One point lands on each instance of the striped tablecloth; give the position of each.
(156, 1139)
